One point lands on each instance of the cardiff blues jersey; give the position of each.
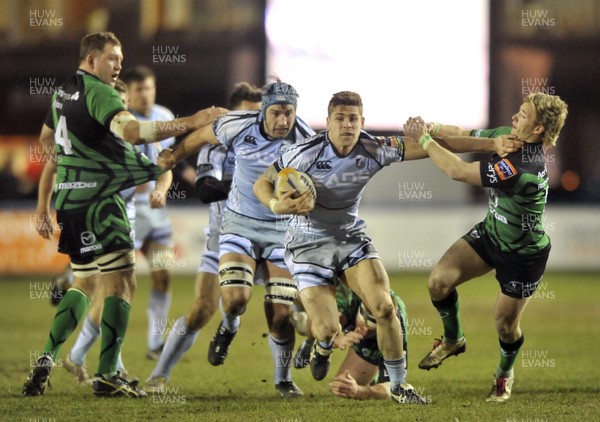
(215, 161)
(241, 131)
(339, 180)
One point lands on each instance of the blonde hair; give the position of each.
(551, 112)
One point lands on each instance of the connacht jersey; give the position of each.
(215, 161)
(517, 198)
(339, 180)
(241, 131)
(160, 114)
(92, 162)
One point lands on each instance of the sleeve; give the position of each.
(499, 172)
(103, 102)
(228, 127)
(385, 149)
(491, 133)
(210, 189)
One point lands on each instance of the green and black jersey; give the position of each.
(348, 304)
(92, 162)
(518, 186)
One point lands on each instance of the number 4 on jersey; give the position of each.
(62, 136)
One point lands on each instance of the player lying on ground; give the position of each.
(511, 239)
(362, 374)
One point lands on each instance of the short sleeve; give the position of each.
(103, 102)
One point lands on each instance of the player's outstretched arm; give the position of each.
(440, 131)
(501, 145)
(127, 127)
(449, 163)
(168, 158)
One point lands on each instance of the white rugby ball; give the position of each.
(291, 179)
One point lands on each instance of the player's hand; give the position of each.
(345, 340)
(207, 116)
(344, 386)
(302, 205)
(44, 224)
(415, 127)
(505, 144)
(158, 199)
(166, 160)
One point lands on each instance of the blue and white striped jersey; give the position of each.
(218, 162)
(241, 131)
(339, 181)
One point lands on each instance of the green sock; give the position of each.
(70, 310)
(448, 310)
(508, 356)
(115, 317)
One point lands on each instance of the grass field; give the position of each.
(557, 375)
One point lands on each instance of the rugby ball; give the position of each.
(291, 179)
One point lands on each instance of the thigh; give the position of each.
(369, 280)
(460, 263)
(320, 304)
(509, 309)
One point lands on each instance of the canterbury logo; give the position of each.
(324, 165)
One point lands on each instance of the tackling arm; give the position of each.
(127, 127)
(452, 165)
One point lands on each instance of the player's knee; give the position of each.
(439, 286)
(384, 310)
(508, 328)
(325, 330)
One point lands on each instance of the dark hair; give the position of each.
(121, 86)
(96, 42)
(138, 74)
(345, 98)
(244, 91)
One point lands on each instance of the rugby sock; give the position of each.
(70, 311)
(230, 322)
(448, 309)
(283, 353)
(115, 318)
(396, 371)
(178, 342)
(88, 335)
(508, 356)
(327, 345)
(158, 310)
